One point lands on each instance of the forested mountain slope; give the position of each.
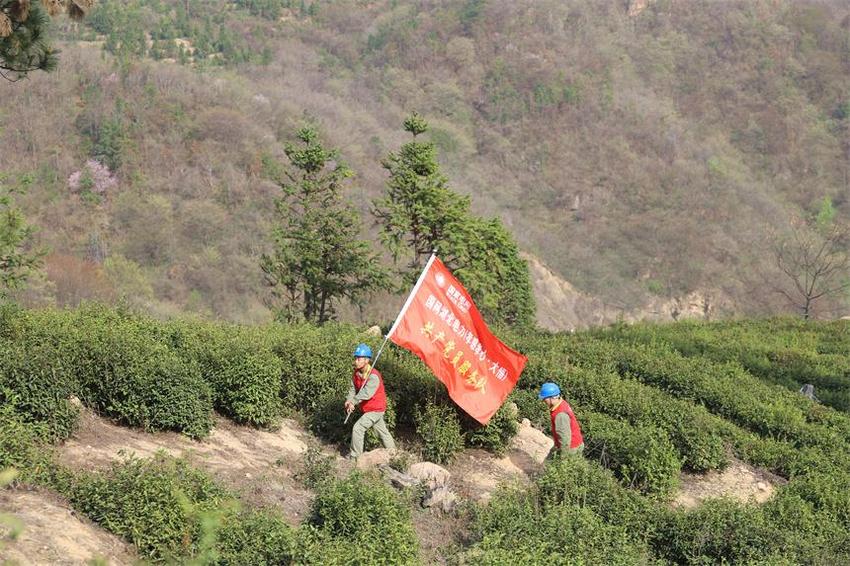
(639, 157)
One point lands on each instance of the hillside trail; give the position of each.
(262, 467)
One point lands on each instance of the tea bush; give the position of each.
(497, 434)
(108, 359)
(719, 531)
(151, 503)
(39, 386)
(366, 514)
(641, 456)
(243, 373)
(316, 468)
(439, 428)
(316, 361)
(258, 538)
(577, 481)
(513, 529)
(22, 448)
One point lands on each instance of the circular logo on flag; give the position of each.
(441, 279)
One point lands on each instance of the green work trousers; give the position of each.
(364, 423)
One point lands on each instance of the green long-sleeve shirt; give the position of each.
(564, 431)
(366, 392)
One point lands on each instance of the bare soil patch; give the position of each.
(739, 480)
(259, 465)
(54, 533)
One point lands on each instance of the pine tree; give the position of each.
(420, 213)
(17, 259)
(24, 45)
(318, 258)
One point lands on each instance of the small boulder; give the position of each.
(429, 474)
(525, 423)
(399, 479)
(374, 459)
(532, 442)
(374, 331)
(442, 499)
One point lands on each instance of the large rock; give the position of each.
(430, 474)
(374, 459)
(533, 443)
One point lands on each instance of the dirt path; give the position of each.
(54, 534)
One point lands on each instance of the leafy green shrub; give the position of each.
(719, 531)
(152, 503)
(496, 436)
(803, 534)
(367, 514)
(42, 386)
(641, 456)
(316, 468)
(327, 419)
(258, 538)
(577, 481)
(513, 529)
(21, 447)
(411, 384)
(828, 493)
(316, 361)
(126, 374)
(243, 372)
(531, 408)
(439, 428)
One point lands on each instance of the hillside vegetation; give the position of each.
(652, 400)
(649, 155)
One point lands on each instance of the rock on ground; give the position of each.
(430, 474)
(532, 442)
(373, 459)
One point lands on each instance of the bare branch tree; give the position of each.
(816, 265)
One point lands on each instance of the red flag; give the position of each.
(440, 324)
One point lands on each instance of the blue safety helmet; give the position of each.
(363, 351)
(549, 390)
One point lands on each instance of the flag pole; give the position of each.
(406, 305)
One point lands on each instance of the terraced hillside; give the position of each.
(191, 440)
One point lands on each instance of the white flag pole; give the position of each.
(406, 305)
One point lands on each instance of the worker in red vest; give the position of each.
(367, 391)
(565, 429)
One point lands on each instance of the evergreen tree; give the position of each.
(318, 258)
(17, 260)
(24, 44)
(420, 213)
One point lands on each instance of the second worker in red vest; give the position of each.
(367, 390)
(565, 430)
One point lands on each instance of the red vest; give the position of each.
(575, 431)
(378, 401)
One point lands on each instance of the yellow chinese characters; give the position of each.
(476, 380)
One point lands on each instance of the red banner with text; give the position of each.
(442, 326)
